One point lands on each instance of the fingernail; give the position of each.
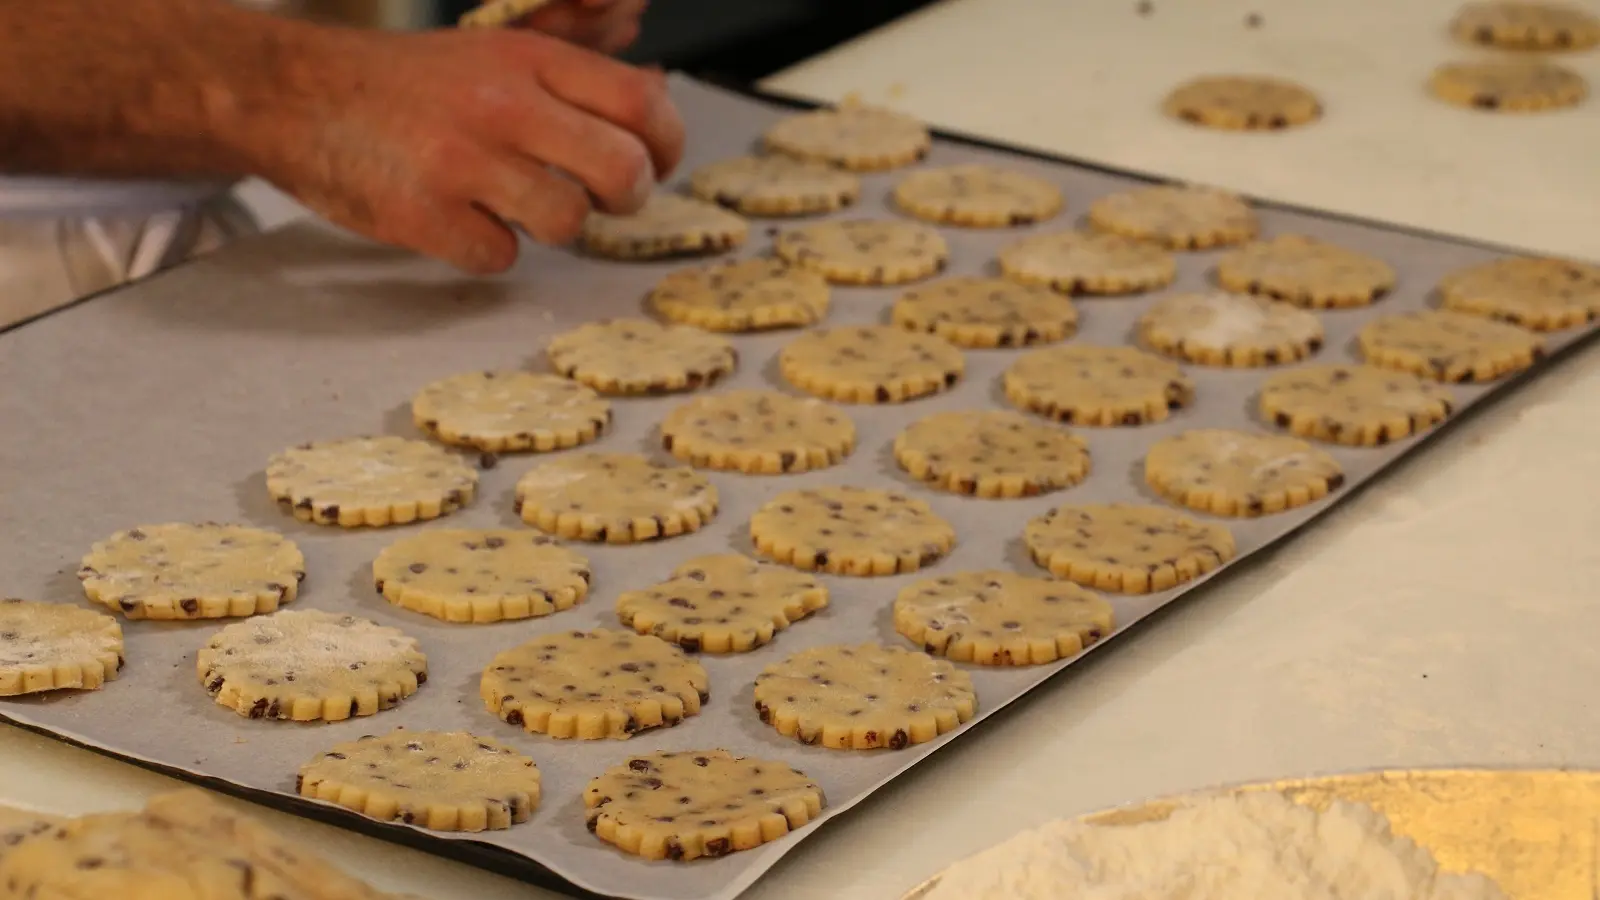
(645, 185)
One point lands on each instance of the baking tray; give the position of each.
(163, 402)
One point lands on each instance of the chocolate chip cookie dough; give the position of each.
(1098, 386)
(978, 196)
(1521, 25)
(510, 412)
(481, 575)
(991, 454)
(440, 780)
(1082, 262)
(1361, 406)
(638, 356)
(747, 295)
(1216, 328)
(1180, 217)
(372, 481)
(870, 364)
(850, 531)
(995, 618)
(593, 685)
(1243, 103)
(864, 697)
(1449, 346)
(1125, 548)
(18, 826)
(52, 646)
(774, 186)
(698, 803)
(617, 498)
(865, 252)
(856, 137)
(668, 226)
(986, 312)
(758, 433)
(1508, 85)
(1541, 294)
(309, 665)
(192, 571)
(722, 604)
(1240, 473)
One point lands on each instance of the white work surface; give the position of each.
(1443, 617)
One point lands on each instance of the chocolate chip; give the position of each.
(899, 739)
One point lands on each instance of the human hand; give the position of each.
(605, 26)
(435, 141)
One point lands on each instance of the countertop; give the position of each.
(1442, 617)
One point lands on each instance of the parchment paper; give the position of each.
(164, 401)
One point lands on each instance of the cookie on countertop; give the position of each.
(1125, 548)
(1541, 294)
(617, 498)
(1216, 328)
(850, 531)
(870, 364)
(865, 252)
(594, 685)
(758, 433)
(995, 618)
(1180, 217)
(978, 196)
(690, 804)
(986, 312)
(1306, 272)
(481, 575)
(1361, 406)
(667, 226)
(1084, 262)
(1243, 103)
(722, 604)
(856, 137)
(1449, 346)
(52, 646)
(640, 357)
(864, 697)
(308, 665)
(440, 780)
(372, 481)
(510, 412)
(192, 571)
(1098, 386)
(1508, 85)
(1523, 25)
(746, 295)
(774, 186)
(1240, 474)
(991, 454)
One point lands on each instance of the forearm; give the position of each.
(148, 88)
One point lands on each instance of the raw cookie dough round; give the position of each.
(192, 571)
(1216, 328)
(592, 685)
(374, 481)
(986, 312)
(481, 575)
(1306, 272)
(617, 498)
(1240, 473)
(307, 665)
(758, 433)
(440, 780)
(510, 412)
(991, 454)
(18, 826)
(638, 356)
(733, 804)
(1100, 386)
(1127, 549)
(870, 364)
(995, 618)
(774, 186)
(865, 252)
(1180, 217)
(1520, 25)
(722, 604)
(51, 646)
(978, 196)
(1449, 346)
(863, 139)
(746, 295)
(1541, 294)
(1083, 262)
(850, 531)
(1508, 85)
(864, 697)
(1362, 406)
(668, 226)
(1242, 103)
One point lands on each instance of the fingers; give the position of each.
(549, 208)
(614, 165)
(470, 239)
(628, 97)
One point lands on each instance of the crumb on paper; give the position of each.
(1144, 7)
(1253, 20)
(897, 90)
